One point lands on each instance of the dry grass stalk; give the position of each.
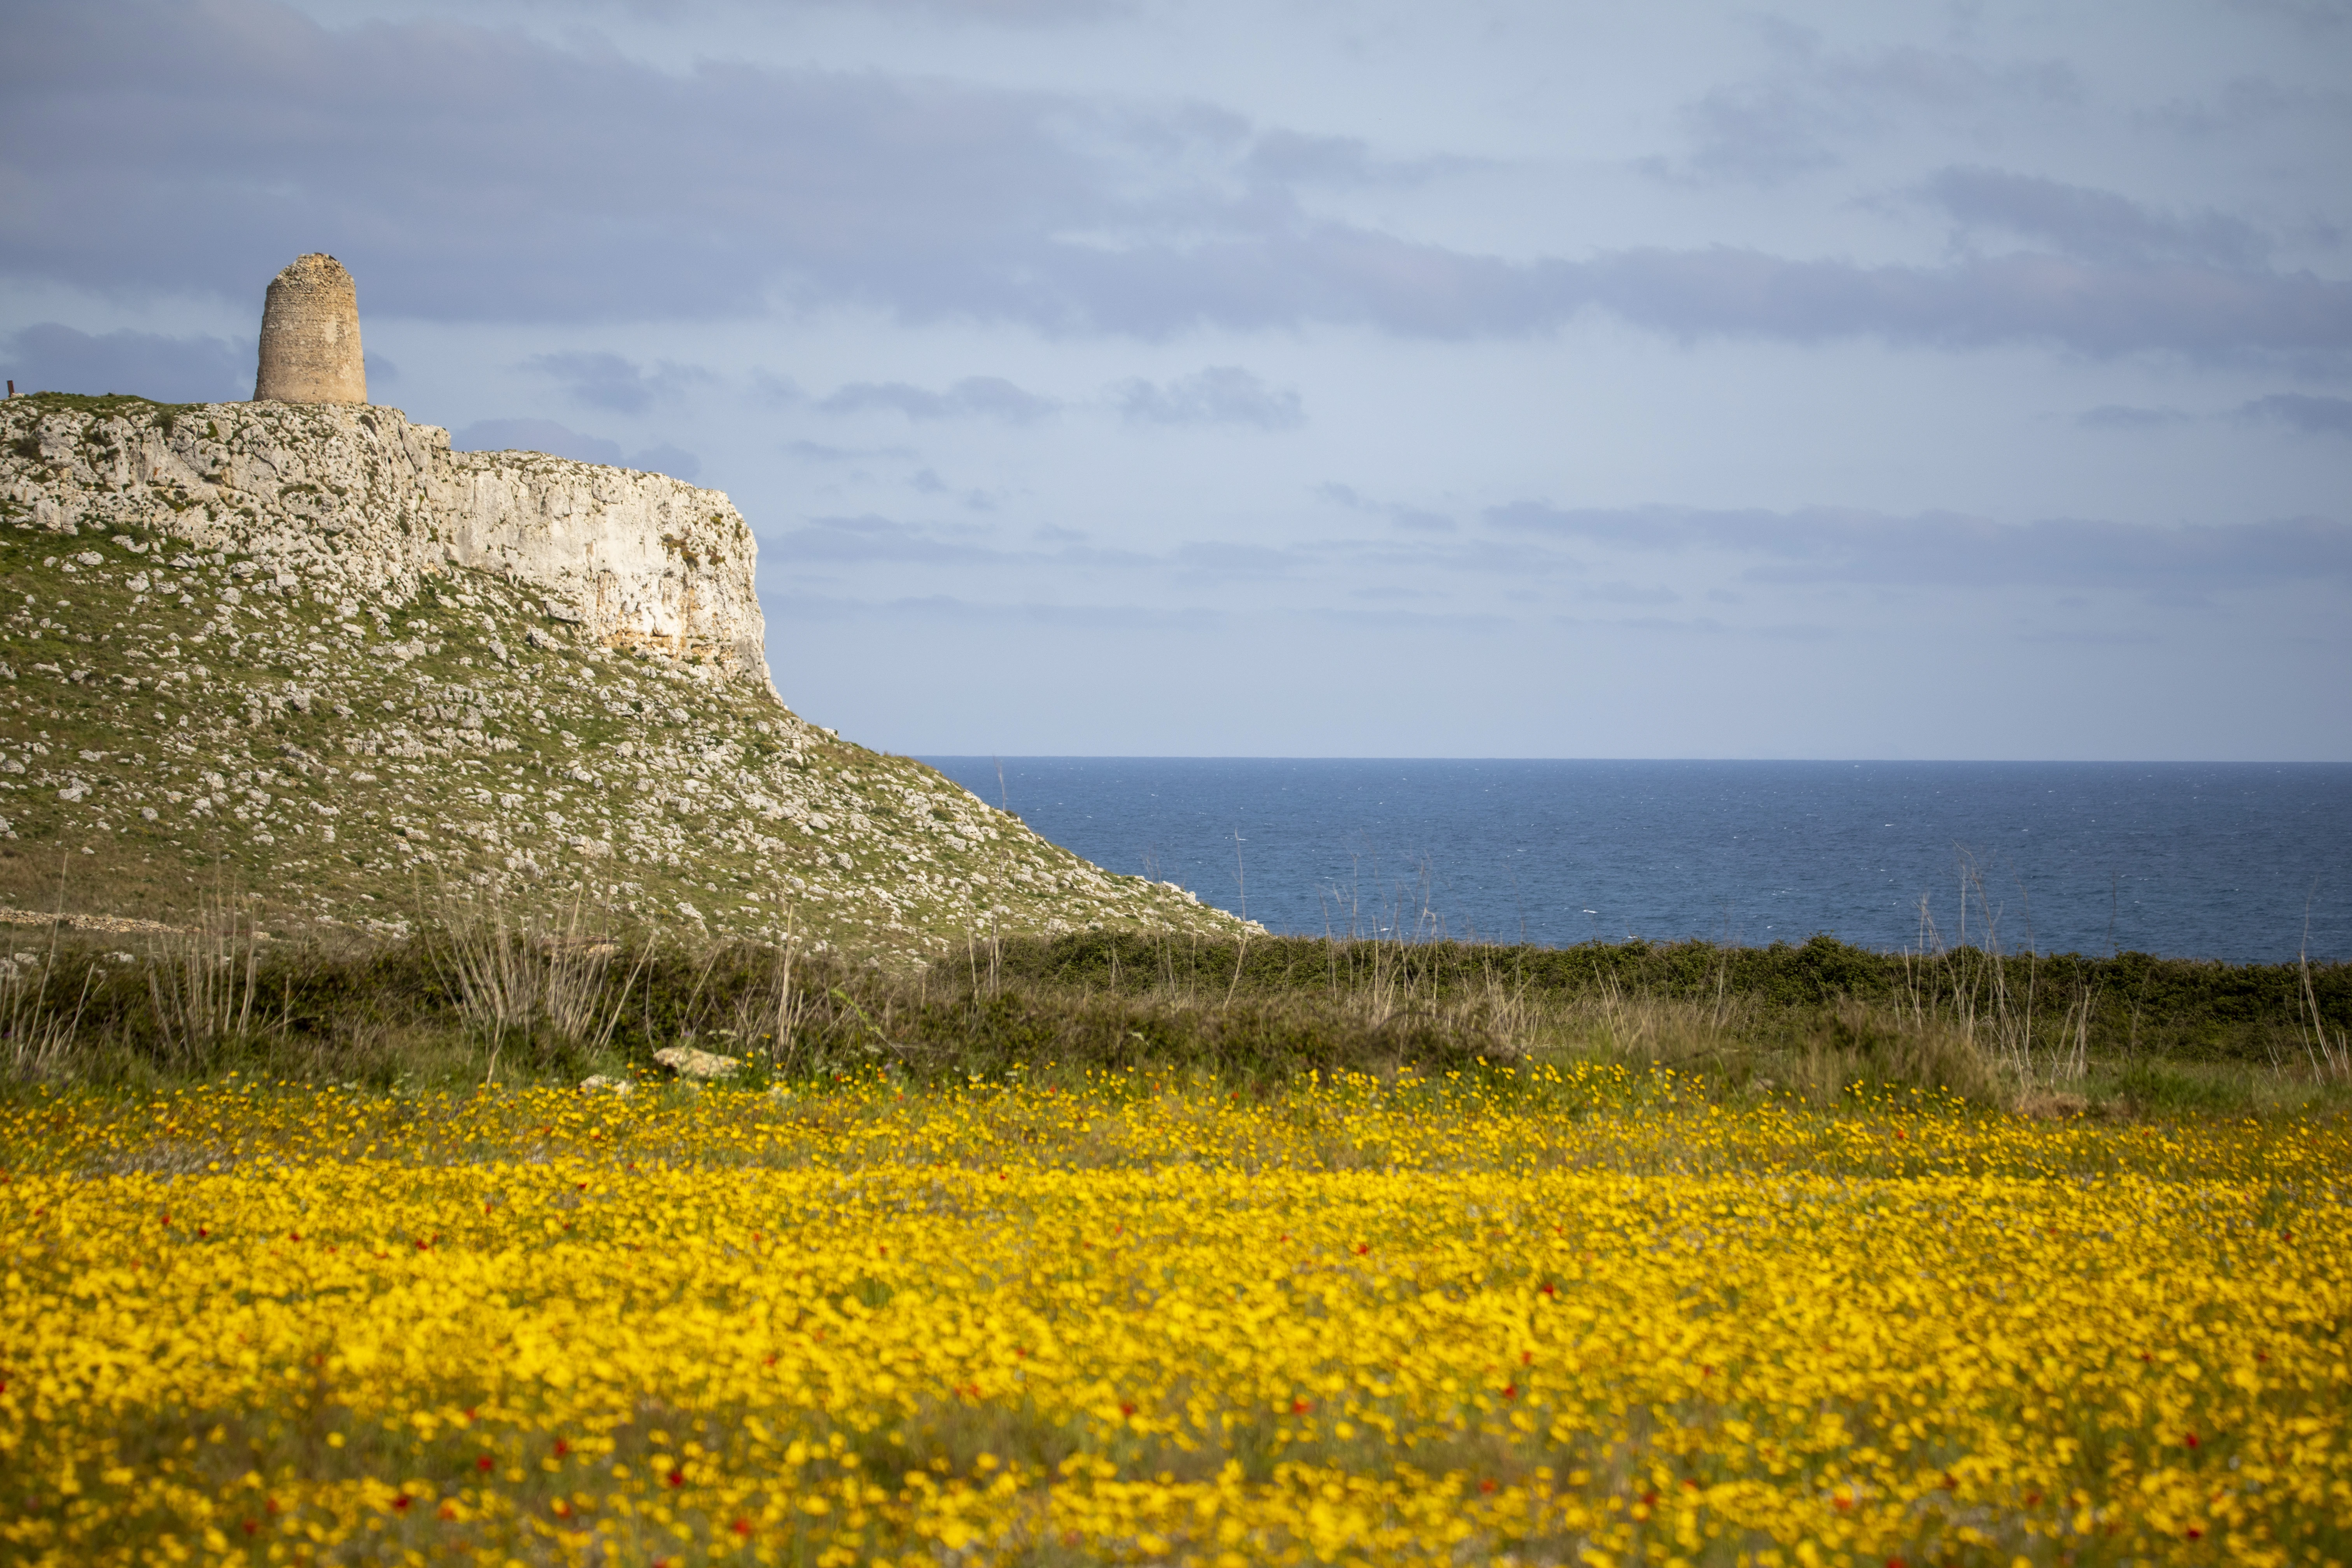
(513, 981)
(203, 983)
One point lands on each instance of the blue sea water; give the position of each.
(2193, 860)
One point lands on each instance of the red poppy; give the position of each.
(483, 1464)
(676, 1477)
(400, 1503)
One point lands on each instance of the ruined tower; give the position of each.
(310, 336)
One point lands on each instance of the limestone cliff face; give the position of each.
(641, 561)
(647, 561)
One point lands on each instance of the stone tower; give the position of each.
(310, 336)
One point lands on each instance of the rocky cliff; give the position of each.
(308, 653)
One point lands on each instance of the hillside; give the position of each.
(308, 655)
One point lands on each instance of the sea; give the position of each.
(2236, 862)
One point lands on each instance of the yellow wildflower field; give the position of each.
(1573, 1315)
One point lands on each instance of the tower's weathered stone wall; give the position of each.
(310, 336)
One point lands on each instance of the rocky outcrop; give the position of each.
(646, 562)
(639, 561)
(310, 336)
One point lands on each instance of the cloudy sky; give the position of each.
(1294, 377)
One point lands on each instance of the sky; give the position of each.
(1495, 378)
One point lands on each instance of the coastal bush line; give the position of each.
(494, 1003)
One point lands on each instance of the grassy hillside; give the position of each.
(186, 729)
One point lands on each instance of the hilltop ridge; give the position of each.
(308, 653)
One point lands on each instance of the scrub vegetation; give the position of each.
(473, 1001)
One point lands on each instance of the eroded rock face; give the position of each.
(310, 336)
(649, 562)
(642, 562)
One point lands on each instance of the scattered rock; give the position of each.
(689, 1063)
(120, 923)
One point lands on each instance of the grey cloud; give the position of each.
(1758, 133)
(1708, 627)
(562, 441)
(1016, 13)
(241, 132)
(927, 481)
(1629, 593)
(935, 609)
(2198, 312)
(1221, 394)
(2310, 414)
(974, 397)
(1407, 517)
(2251, 101)
(1428, 620)
(1001, 13)
(1224, 558)
(820, 452)
(776, 391)
(2126, 416)
(1791, 119)
(53, 358)
(2315, 17)
(608, 381)
(2097, 226)
(471, 173)
(869, 537)
(1331, 272)
(1944, 549)
(1292, 157)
